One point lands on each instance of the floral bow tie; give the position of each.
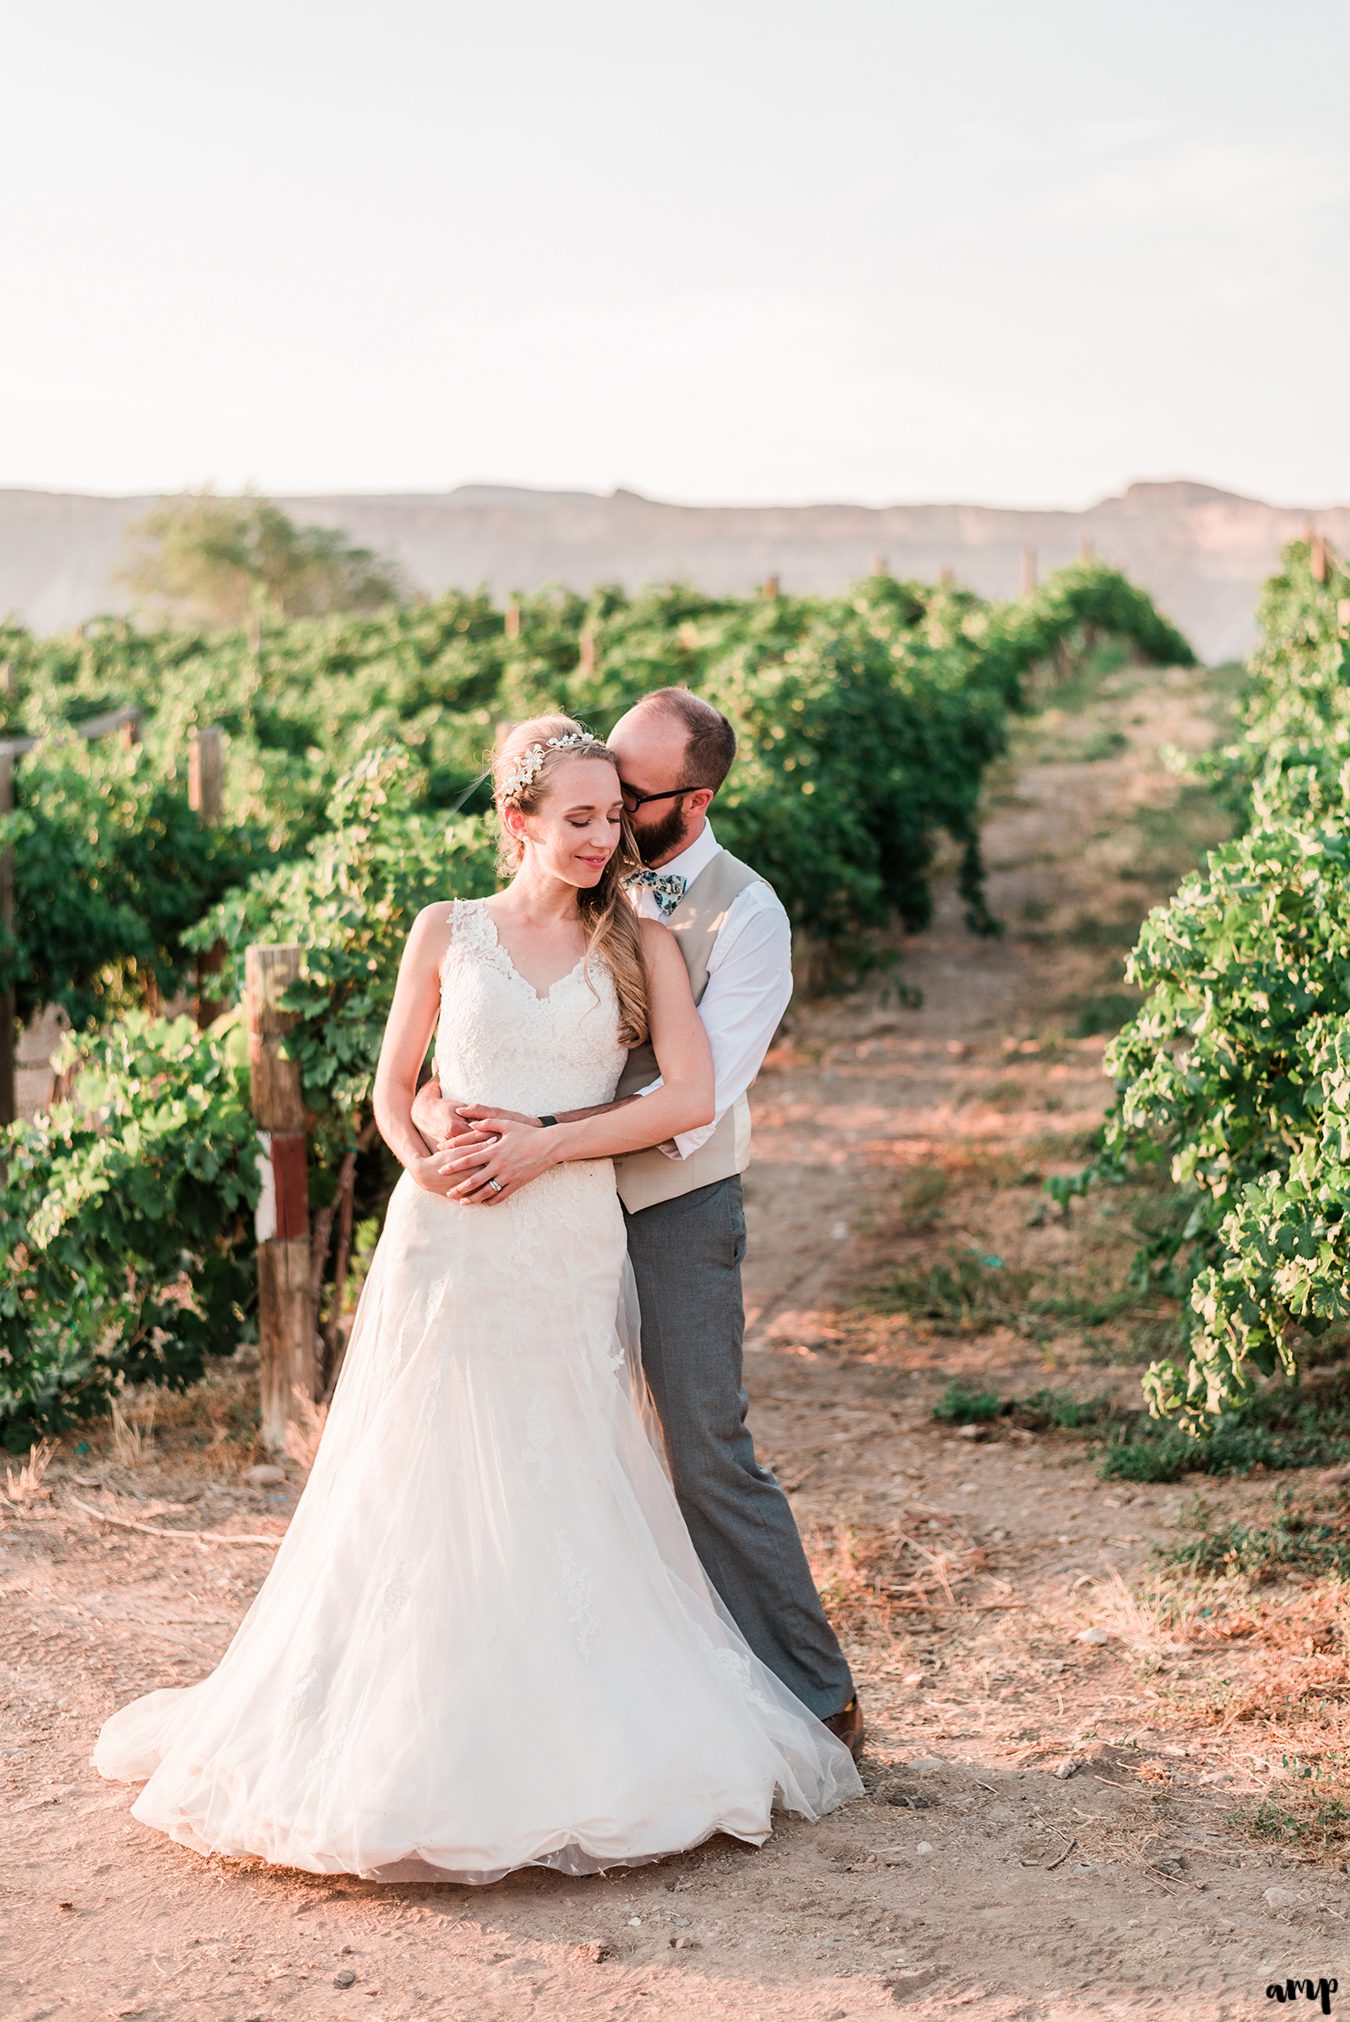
(666, 887)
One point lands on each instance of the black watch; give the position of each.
(548, 1119)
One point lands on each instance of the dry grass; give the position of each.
(210, 1428)
(870, 1573)
(1152, 1617)
(132, 1427)
(26, 1485)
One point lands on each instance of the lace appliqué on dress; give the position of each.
(394, 1597)
(537, 1456)
(734, 1669)
(580, 1591)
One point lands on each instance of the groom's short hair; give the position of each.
(712, 741)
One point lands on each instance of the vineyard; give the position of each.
(1236, 1071)
(351, 797)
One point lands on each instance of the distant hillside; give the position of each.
(1202, 554)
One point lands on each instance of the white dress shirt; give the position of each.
(748, 988)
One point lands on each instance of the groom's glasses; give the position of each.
(633, 800)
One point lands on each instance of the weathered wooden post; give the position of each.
(587, 660)
(7, 1003)
(206, 792)
(512, 618)
(771, 585)
(1028, 572)
(205, 772)
(285, 1308)
(1319, 558)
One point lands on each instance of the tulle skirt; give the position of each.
(485, 1641)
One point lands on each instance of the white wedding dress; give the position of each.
(485, 1641)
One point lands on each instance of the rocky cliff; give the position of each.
(1200, 552)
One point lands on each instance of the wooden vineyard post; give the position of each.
(771, 585)
(512, 618)
(205, 772)
(7, 1004)
(1028, 572)
(587, 660)
(206, 790)
(1319, 558)
(285, 1311)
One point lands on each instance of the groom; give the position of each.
(683, 1200)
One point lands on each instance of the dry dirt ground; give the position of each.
(1067, 1746)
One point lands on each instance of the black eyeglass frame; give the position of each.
(633, 800)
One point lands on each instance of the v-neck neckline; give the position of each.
(540, 996)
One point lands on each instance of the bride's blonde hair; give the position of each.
(611, 923)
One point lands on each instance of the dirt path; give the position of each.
(891, 1145)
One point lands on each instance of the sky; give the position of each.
(738, 251)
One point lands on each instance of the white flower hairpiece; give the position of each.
(530, 760)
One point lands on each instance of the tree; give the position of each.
(231, 559)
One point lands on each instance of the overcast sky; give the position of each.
(735, 250)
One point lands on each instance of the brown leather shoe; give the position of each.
(848, 1726)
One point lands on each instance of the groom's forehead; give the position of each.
(649, 735)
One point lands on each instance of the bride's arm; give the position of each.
(682, 1102)
(412, 1015)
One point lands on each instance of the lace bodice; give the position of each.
(499, 1041)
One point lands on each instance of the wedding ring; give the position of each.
(496, 1185)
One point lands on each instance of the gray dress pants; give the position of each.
(686, 1257)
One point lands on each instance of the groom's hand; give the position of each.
(437, 1116)
(482, 1116)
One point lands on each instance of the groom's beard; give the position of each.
(660, 838)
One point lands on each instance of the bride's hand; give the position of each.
(514, 1157)
(430, 1172)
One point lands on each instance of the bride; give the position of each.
(486, 1641)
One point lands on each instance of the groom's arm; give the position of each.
(441, 1119)
(749, 988)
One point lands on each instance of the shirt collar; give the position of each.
(696, 858)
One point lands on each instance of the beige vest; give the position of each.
(645, 1177)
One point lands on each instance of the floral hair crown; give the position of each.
(527, 765)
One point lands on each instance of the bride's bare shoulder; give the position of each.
(661, 954)
(432, 931)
